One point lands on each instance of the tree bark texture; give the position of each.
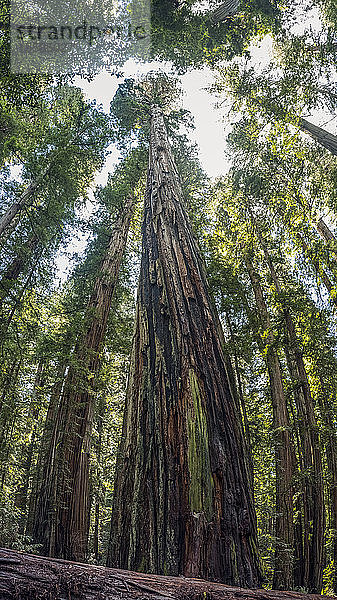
(323, 137)
(310, 567)
(225, 10)
(43, 465)
(326, 233)
(330, 442)
(62, 511)
(28, 577)
(183, 501)
(27, 195)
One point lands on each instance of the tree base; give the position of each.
(30, 577)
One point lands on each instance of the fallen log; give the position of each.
(30, 577)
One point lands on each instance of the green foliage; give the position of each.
(131, 107)
(279, 188)
(188, 38)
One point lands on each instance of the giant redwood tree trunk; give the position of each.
(330, 441)
(62, 512)
(183, 502)
(45, 461)
(312, 559)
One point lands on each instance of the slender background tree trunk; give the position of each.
(284, 451)
(323, 137)
(62, 520)
(313, 494)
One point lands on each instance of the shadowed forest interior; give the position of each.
(168, 337)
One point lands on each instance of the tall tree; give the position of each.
(73, 140)
(62, 511)
(183, 500)
(310, 567)
(284, 450)
(249, 219)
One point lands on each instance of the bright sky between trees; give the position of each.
(212, 122)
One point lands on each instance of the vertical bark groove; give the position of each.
(225, 10)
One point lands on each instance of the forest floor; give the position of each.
(30, 577)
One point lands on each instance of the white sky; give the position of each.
(209, 133)
(210, 130)
(210, 127)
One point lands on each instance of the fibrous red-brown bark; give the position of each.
(62, 509)
(183, 499)
(28, 577)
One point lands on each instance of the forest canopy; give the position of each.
(168, 395)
